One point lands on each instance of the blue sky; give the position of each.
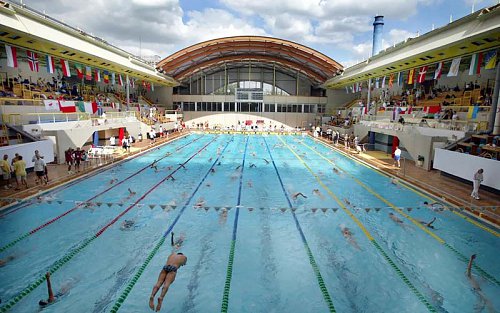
(341, 29)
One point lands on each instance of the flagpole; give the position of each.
(127, 90)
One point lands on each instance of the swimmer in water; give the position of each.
(223, 216)
(169, 168)
(238, 167)
(182, 165)
(435, 206)
(210, 160)
(212, 170)
(176, 244)
(171, 178)
(3, 262)
(348, 202)
(112, 181)
(127, 225)
(218, 164)
(346, 232)
(318, 193)
(395, 218)
(428, 224)
(131, 192)
(335, 170)
(297, 194)
(267, 162)
(394, 181)
(252, 165)
(250, 184)
(200, 203)
(483, 300)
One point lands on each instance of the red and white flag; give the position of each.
(65, 68)
(97, 75)
(90, 107)
(439, 70)
(120, 80)
(11, 56)
(421, 74)
(51, 105)
(50, 65)
(32, 60)
(67, 106)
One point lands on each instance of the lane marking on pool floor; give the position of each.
(80, 205)
(232, 249)
(407, 186)
(312, 261)
(77, 180)
(460, 255)
(399, 273)
(123, 296)
(66, 258)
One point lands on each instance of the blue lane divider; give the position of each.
(321, 282)
(229, 273)
(131, 284)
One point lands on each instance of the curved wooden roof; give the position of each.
(214, 54)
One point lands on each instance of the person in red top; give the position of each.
(77, 158)
(68, 156)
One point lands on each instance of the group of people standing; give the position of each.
(17, 169)
(74, 158)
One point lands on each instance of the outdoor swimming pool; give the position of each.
(269, 253)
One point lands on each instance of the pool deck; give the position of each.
(454, 191)
(58, 173)
(444, 187)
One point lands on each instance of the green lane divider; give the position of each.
(136, 277)
(12, 243)
(121, 299)
(229, 275)
(365, 231)
(419, 295)
(312, 261)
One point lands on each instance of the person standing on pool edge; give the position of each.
(397, 156)
(478, 178)
(167, 274)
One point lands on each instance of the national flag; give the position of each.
(352, 88)
(11, 56)
(65, 68)
(383, 82)
(152, 87)
(97, 75)
(391, 80)
(112, 78)
(490, 60)
(120, 80)
(475, 63)
(79, 71)
(106, 77)
(87, 107)
(438, 71)
(411, 76)
(51, 105)
(454, 67)
(67, 106)
(132, 83)
(88, 73)
(32, 60)
(50, 65)
(421, 74)
(346, 89)
(400, 79)
(377, 83)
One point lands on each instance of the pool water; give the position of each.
(251, 245)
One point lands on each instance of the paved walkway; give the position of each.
(444, 187)
(58, 173)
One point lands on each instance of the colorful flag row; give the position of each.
(490, 60)
(34, 65)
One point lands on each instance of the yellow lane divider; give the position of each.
(400, 274)
(425, 229)
(468, 219)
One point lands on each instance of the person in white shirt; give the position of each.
(397, 157)
(112, 141)
(476, 182)
(39, 169)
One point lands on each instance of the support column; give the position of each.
(494, 120)
(274, 79)
(297, 84)
(95, 138)
(127, 90)
(395, 143)
(368, 95)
